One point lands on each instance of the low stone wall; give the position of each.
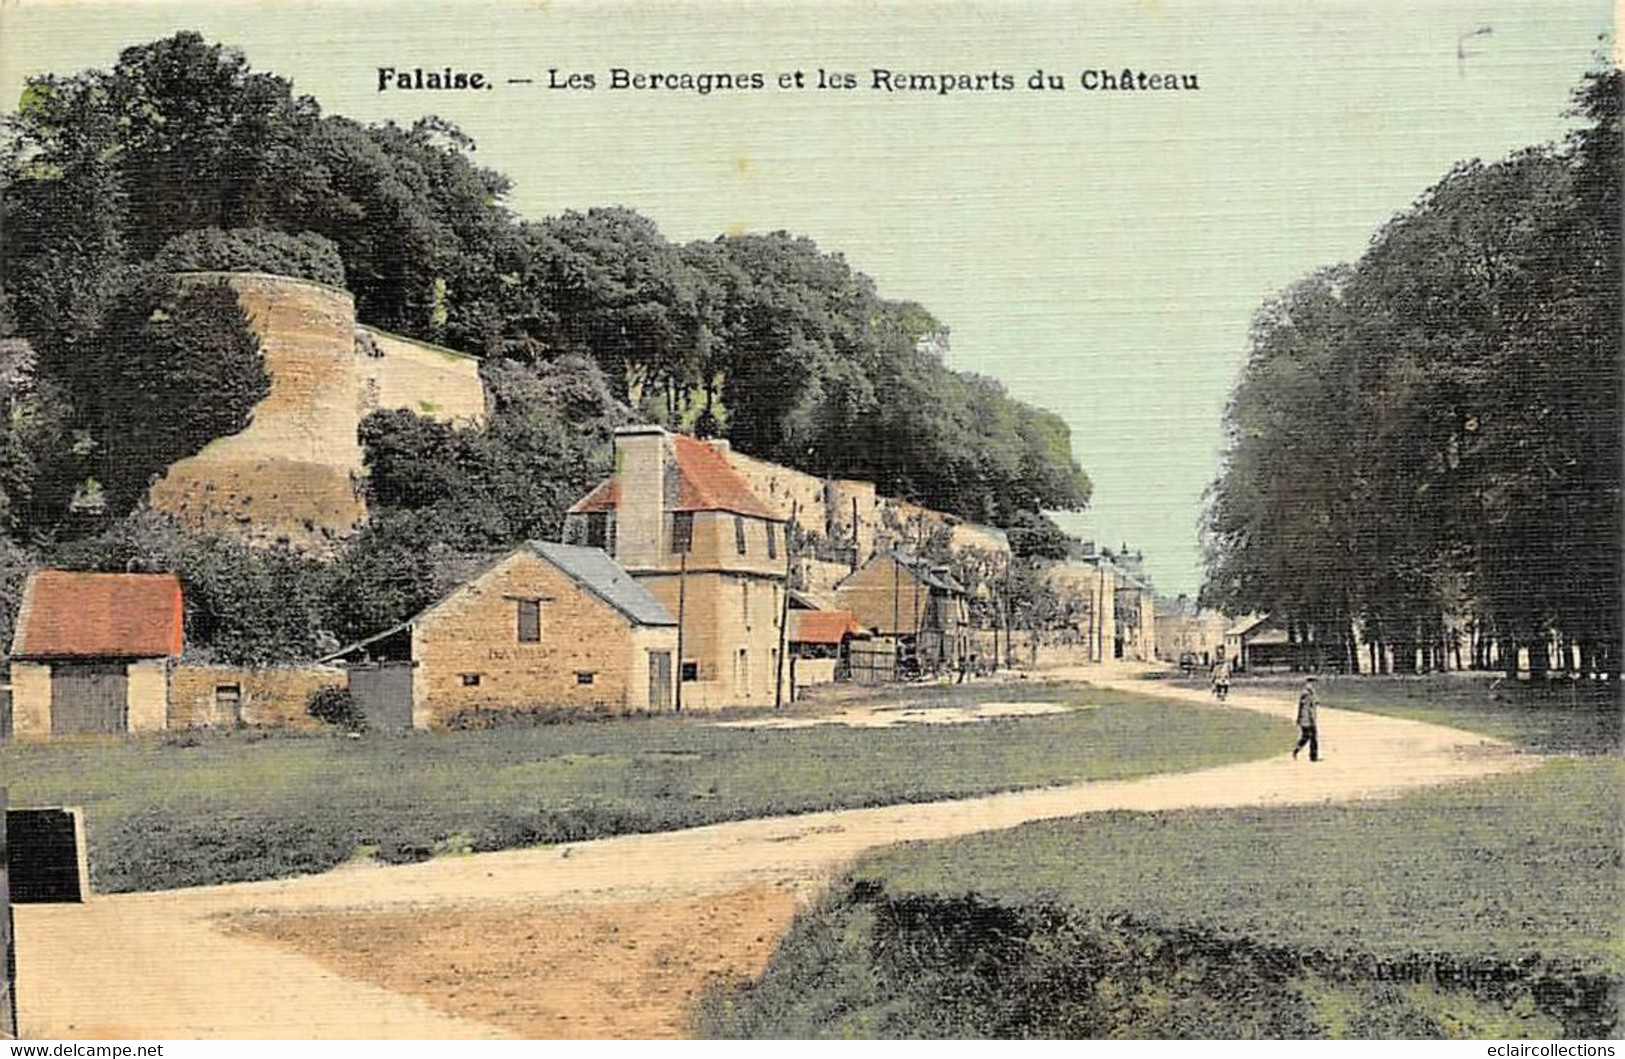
(273, 696)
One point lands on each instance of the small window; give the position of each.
(598, 529)
(744, 601)
(682, 532)
(470, 680)
(530, 620)
(739, 534)
(772, 541)
(583, 677)
(691, 672)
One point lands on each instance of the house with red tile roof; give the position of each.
(91, 653)
(688, 527)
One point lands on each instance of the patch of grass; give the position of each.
(1488, 909)
(235, 806)
(1551, 717)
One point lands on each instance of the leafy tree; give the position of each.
(1431, 436)
(226, 585)
(172, 368)
(1033, 535)
(305, 256)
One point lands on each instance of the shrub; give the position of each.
(336, 706)
(303, 256)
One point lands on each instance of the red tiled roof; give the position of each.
(706, 481)
(74, 615)
(603, 498)
(824, 626)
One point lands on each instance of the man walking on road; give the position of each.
(1308, 707)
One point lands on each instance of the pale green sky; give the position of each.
(1101, 253)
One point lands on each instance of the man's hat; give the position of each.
(1310, 678)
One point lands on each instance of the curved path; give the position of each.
(154, 966)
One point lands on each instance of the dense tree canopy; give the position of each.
(1431, 436)
(182, 157)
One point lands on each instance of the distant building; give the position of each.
(1187, 632)
(91, 653)
(1258, 641)
(921, 606)
(547, 625)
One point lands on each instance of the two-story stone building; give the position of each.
(691, 530)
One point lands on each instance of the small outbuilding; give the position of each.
(921, 606)
(91, 653)
(820, 645)
(546, 626)
(1257, 642)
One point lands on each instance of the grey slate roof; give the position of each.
(595, 571)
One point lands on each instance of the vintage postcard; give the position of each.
(739, 519)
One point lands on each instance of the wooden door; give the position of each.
(383, 693)
(659, 680)
(89, 698)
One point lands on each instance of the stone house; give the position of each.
(546, 626)
(1087, 584)
(91, 653)
(922, 607)
(1186, 631)
(1258, 641)
(691, 530)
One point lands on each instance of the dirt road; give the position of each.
(202, 963)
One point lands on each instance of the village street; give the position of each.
(160, 965)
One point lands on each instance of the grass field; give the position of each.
(1489, 909)
(1554, 717)
(195, 809)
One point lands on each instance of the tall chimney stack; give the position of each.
(641, 457)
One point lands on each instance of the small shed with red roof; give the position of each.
(91, 653)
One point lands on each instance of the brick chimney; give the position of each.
(641, 459)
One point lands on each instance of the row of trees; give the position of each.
(182, 157)
(764, 339)
(1425, 445)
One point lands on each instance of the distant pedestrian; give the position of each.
(1308, 715)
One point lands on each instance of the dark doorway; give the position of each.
(383, 693)
(659, 679)
(89, 698)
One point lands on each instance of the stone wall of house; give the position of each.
(272, 696)
(291, 474)
(1093, 588)
(30, 700)
(724, 614)
(469, 656)
(147, 695)
(883, 595)
(401, 373)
